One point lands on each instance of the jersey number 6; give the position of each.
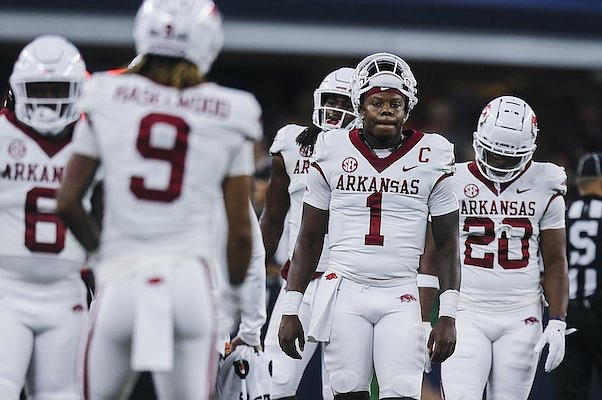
(33, 216)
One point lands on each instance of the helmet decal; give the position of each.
(507, 130)
(190, 29)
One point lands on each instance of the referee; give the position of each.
(572, 379)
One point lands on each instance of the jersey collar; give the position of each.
(380, 164)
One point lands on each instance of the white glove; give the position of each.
(427, 333)
(554, 336)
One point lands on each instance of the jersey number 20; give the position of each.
(489, 236)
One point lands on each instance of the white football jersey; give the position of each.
(499, 233)
(297, 166)
(35, 244)
(379, 206)
(165, 153)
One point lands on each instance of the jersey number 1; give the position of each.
(374, 238)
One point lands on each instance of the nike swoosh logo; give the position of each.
(406, 169)
(519, 191)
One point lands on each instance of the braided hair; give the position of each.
(307, 139)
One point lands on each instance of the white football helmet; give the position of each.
(48, 58)
(387, 71)
(507, 127)
(335, 83)
(190, 29)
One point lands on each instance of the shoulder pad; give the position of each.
(286, 138)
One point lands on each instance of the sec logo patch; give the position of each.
(17, 149)
(471, 190)
(349, 164)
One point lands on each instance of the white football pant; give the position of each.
(286, 371)
(493, 349)
(378, 326)
(40, 326)
(108, 373)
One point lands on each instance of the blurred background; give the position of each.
(462, 52)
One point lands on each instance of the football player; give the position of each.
(291, 156)
(167, 141)
(511, 220)
(373, 188)
(42, 299)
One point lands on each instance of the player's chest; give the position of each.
(24, 162)
(403, 177)
(479, 201)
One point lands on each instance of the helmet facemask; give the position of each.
(46, 115)
(332, 101)
(504, 142)
(331, 114)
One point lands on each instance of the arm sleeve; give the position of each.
(84, 139)
(317, 191)
(243, 162)
(443, 198)
(253, 312)
(553, 218)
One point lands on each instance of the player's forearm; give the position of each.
(304, 263)
(76, 181)
(253, 314)
(449, 274)
(84, 228)
(427, 296)
(271, 231)
(428, 275)
(239, 254)
(556, 289)
(445, 236)
(276, 207)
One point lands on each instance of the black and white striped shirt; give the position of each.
(584, 247)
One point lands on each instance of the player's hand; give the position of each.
(428, 328)
(442, 341)
(553, 335)
(289, 332)
(234, 343)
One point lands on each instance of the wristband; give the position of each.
(427, 281)
(292, 302)
(448, 303)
